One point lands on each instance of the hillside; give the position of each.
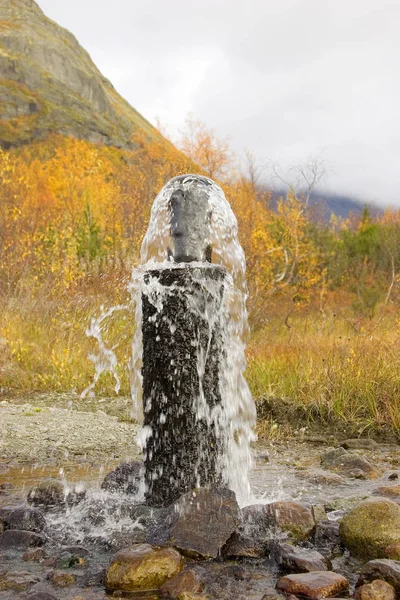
(48, 83)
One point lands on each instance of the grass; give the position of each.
(325, 372)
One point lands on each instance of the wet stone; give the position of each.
(35, 555)
(199, 523)
(18, 581)
(377, 590)
(370, 527)
(14, 538)
(49, 492)
(292, 517)
(386, 569)
(185, 581)
(95, 577)
(393, 551)
(292, 559)
(351, 465)
(314, 585)
(126, 478)
(61, 579)
(142, 568)
(254, 536)
(27, 519)
(327, 537)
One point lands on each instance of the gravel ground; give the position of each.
(38, 434)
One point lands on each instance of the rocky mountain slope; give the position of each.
(48, 83)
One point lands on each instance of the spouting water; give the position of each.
(193, 230)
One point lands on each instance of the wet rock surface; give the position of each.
(199, 523)
(314, 585)
(83, 537)
(142, 568)
(369, 528)
(126, 478)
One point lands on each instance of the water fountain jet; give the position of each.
(198, 412)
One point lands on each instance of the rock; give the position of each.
(18, 581)
(67, 560)
(50, 492)
(330, 456)
(14, 538)
(327, 537)
(142, 568)
(388, 570)
(274, 597)
(393, 476)
(388, 490)
(254, 535)
(319, 584)
(350, 465)
(191, 596)
(199, 523)
(393, 551)
(292, 559)
(377, 590)
(292, 517)
(61, 579)
(93, 578)
(185, 581)
(319, 513)
(35, 555)
(28, 519)
(321, 477)
(370, 527)
(126, 478)
(359, 444)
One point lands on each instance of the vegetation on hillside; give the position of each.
(323, 299)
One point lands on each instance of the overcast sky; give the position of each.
(285, 79)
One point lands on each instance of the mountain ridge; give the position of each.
(49, 83)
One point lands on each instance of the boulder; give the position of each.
(126, 478)
(388, 570)
(28, 519)
(292, 559)
(61, 579)
(199, 523)
(352, 465)
(292, 517)
(254, 536)
(185, 581)
(369, 528)
(142, 568)
(377, 590)
(327, 537)
(14, 538)
(319, 584)
(17, 581)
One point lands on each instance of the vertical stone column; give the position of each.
(182, 353)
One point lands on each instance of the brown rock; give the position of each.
(142, 568)
(388, 490)
(185, 581)
(299, 560)
(27, 519)
(18, 581)
(199, 523)
(292, 517)
(61, 579)
(35, 555)
(319, 584)
(388, 570)
(12, 538)
(359, 444)
(357, 467)
(377, 590)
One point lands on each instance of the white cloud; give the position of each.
(283, 78)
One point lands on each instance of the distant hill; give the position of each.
(48, 83)
(324, 204)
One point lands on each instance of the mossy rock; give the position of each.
(142, 568)
(370, 527)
